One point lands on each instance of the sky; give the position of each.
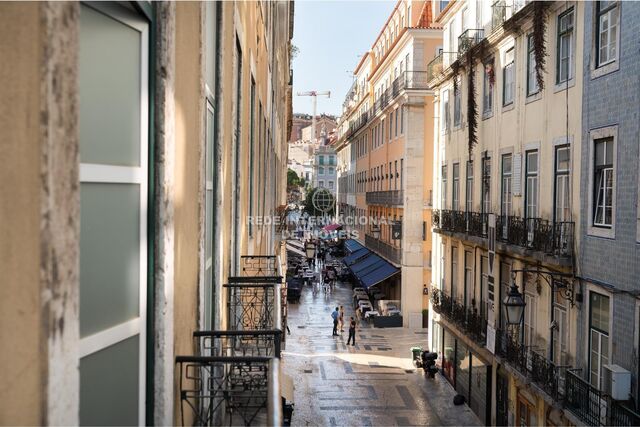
(331, 36)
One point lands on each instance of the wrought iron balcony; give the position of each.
(245, 388)
(416, 80)
(593, 406)
(238, 343)
(385, 198)
(502, 10)
(468, 39)
(388, 251)
(471, 223)
(439, 64)
(536, 234)
(532, 365)
(468, 319)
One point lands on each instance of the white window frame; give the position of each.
(509, 78)
(601, 68)
(487, 89)
(592, 230)
(570, 32)
(108, 174)
(532, 81)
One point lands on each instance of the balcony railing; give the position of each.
(439, 64)
(385, 198)
(468, 319)
(238, 343)
(245, 388)
(388, 251)
(532, 365)
(472, 223)
(468, 39)
(593, 406)
(536, 234)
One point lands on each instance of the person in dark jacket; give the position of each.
(352, 332)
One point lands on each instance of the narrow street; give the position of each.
(371, 383)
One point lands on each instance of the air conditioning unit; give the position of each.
(616, 382)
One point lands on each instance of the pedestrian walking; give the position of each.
(335, 315)
(352, 332)
(341, 319)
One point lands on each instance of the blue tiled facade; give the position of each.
(612, 264)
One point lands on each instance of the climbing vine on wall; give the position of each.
(472, 105)
(539, 43)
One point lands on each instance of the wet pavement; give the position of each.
(370, 384)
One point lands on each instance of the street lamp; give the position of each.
(514, 304)
(310, 249)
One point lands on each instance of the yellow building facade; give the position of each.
(386, 129)
(144, 136)
(506, 164)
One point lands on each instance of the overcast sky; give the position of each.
(331, 36)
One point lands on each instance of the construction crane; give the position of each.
(314, 95)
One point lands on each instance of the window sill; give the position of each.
(605, 69)
(603, 232)
(564, 85)
(487, 114)
(533, 97)
(508, 107)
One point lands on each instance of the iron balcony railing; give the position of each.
(385, 198)
(231, 390)
(238, 343)
(440, 63)
(532, 365)
(593, 406)
(390, 252)
(472, 223)
(468, 319)
(468, 39)
(536, 234)
(502, 10)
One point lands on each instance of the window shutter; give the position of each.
(517, 174)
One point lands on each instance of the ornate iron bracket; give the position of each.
(557, 281)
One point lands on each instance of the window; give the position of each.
(321, 159)
(598, 337)
(562, 193)
(506, 185)
(607, 32)
(532, 80)
(401, 169)
(603, 183)
(445, 110)
(443, 252)
(395, 177)
(321, 183)
(113, 201)
(454, 271)
(389, 177)
(396, 130)
(487, 88)
(469, 187)
(330, 185)
(443, 190)
(560, 334)
(320, 170)
(486, 185)
(529, 319)
(402, 120)
(381, 131)
(391, 126)
(237, 155)
(332, 159)
(457, 101)
(468, 277)
(331, 171)
(564, 54)
(531, 190)
(508, 77)
(456, 187)
(252, 137)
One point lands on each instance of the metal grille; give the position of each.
(251, 305)
(238, 343)
(237, 384)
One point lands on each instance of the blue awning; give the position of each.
(352, 245)
(378, 275)
(356, 256)
(364, 264)
(372, 269)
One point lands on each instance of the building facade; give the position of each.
(387, 124)
(609, 323)
(507, 164)
(126, 192)
(324, 168)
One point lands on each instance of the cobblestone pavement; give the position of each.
(371, 383)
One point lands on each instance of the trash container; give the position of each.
(416, 356)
